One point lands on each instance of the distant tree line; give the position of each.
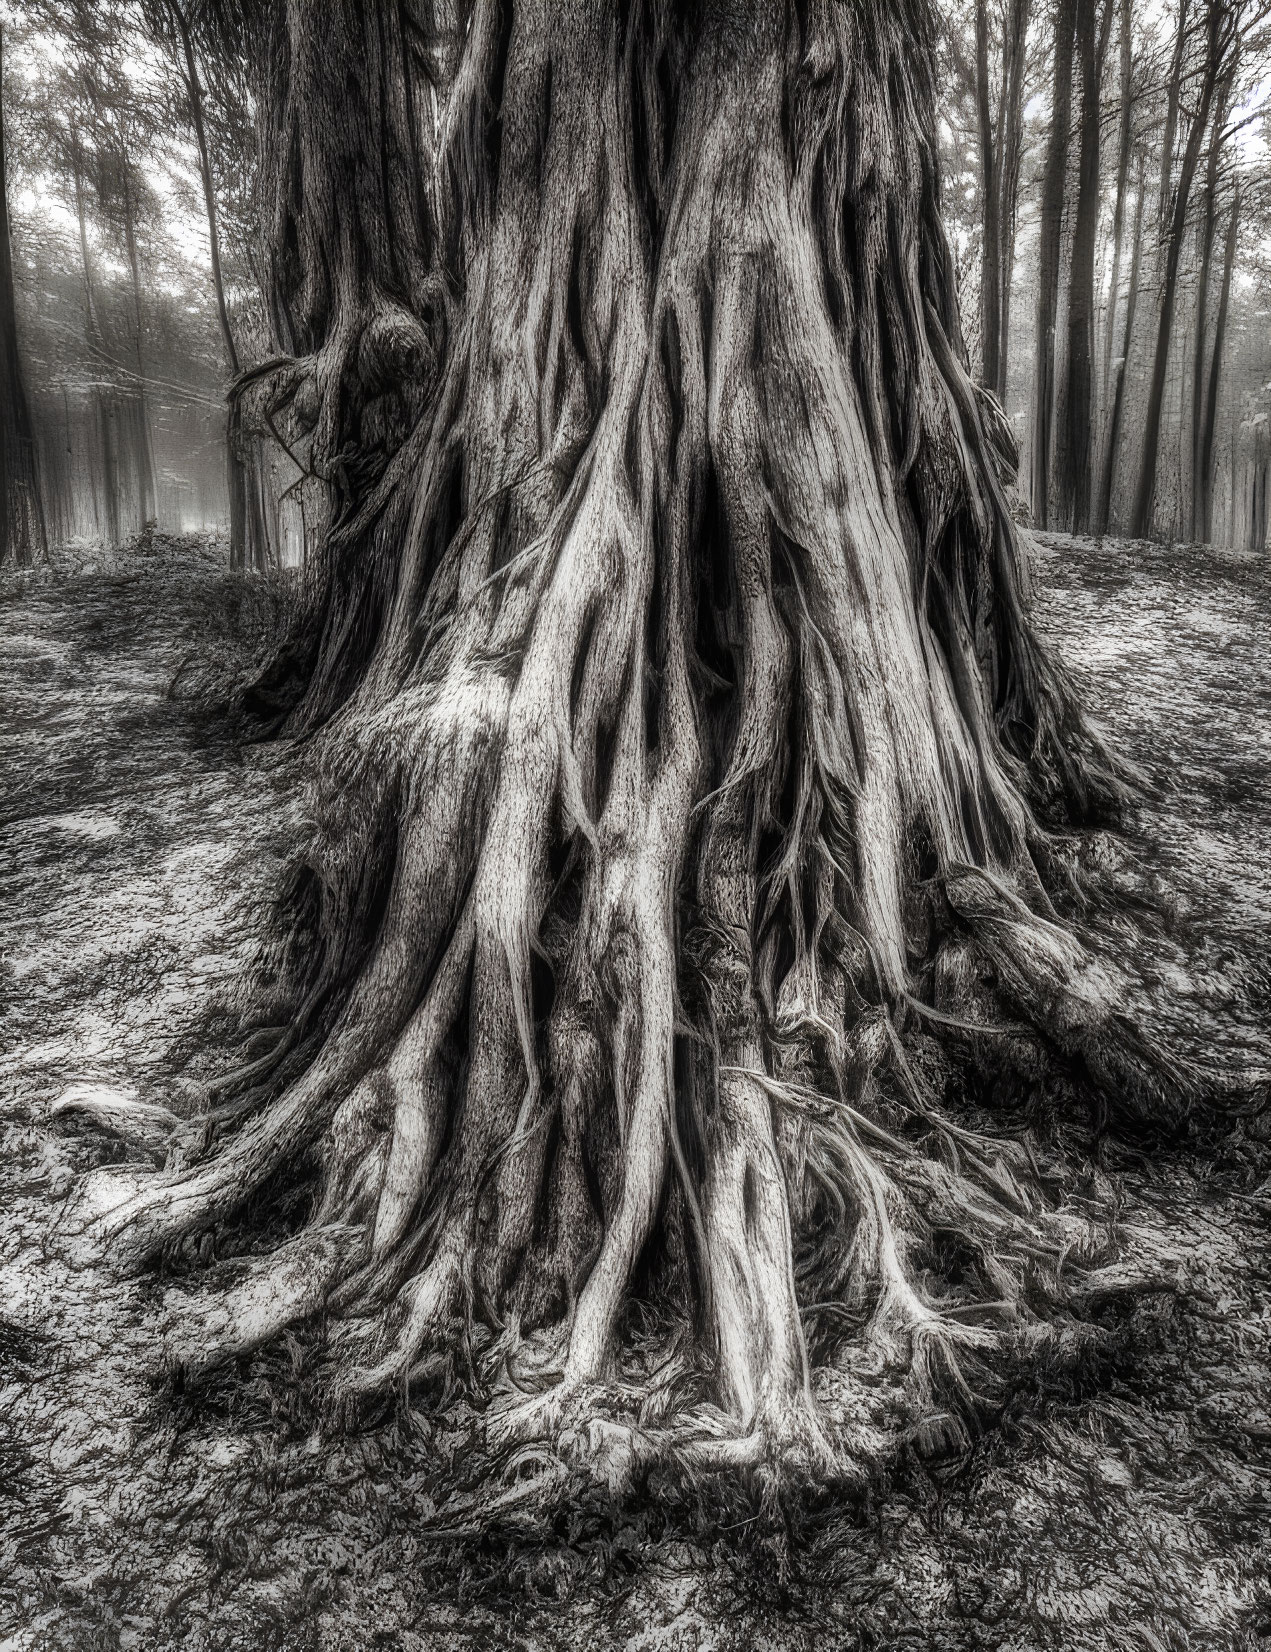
(1132, 143)
(1105, 168)
(134, 279)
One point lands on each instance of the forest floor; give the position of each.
(139, 837)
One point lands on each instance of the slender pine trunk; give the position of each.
(1169, 133)
(1112, 438)
(990, 210)
(1191, 472)
(101, 456)
(1011, 135)
(1125, 142)
(1205, 469)
(143, 436)
(1207, 233)
(1145, 490)
(1050, 249)
(1074, 457)
(242, 551)
(23, 533)
(108, 439)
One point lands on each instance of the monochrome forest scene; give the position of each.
(635, 825)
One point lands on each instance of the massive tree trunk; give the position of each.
(1050, 235)
(22, 530)
(692, 778)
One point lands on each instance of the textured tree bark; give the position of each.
(695, 781)
(347, 98)
(1049, 251)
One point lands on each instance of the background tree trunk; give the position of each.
(1011, 141)
(354, 298)
(107, 502)
(244, 551)
(23, 537)
(1169, 131)
(1125, 143)
(1074, 449)
(142, 440)
(991, 206)
(1208, 226)
(1049, 253)
(1205, 467)
(1217, 38)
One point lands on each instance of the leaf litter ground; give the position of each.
(140, 836)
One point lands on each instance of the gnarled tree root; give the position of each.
(703, 776)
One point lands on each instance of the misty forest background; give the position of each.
(1105, 190)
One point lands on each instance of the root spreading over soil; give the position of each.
(1121, 1501)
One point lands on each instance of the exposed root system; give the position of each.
(695, 802)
